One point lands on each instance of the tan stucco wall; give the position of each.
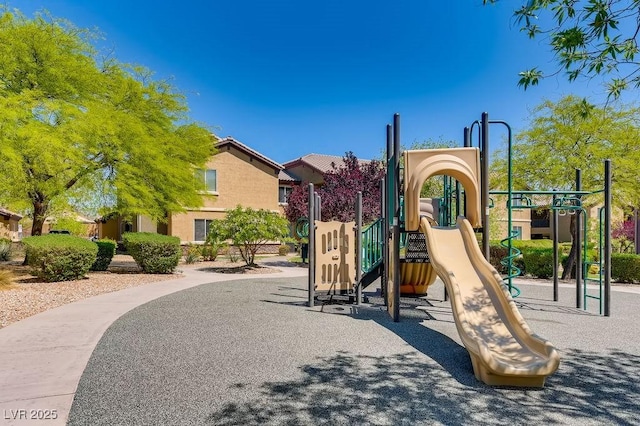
(145, 224)
(241, 180)
(9, 229)
(183, 226)
(307, 174)
(109, 229)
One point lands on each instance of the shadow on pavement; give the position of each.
(590, 388)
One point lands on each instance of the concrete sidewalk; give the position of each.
(42, 357)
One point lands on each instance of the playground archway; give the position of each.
(463, 164)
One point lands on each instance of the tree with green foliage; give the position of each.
(572, 134)
(251, 229)
(74, 124)
(588, 38)
(70, 224)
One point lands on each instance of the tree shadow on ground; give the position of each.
(241, 269)
(591, 388)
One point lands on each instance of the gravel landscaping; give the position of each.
(30, 296)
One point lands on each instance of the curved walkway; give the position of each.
(251, 353)
(42, 357)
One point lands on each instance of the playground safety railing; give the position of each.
(372, 241)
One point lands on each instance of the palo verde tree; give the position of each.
(339, 190)
(76, 127)
(572, 134)
(251, 229)
(588, 38)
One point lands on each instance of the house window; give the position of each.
(210, 179)
(518, 229)
(201, 228)
(283, 194)
(540, 218)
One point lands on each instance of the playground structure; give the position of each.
(503, 350)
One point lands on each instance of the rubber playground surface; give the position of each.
(251, 353)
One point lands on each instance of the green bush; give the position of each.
(58, 257)
(216, 240)
(209, 252)
(154, 253)
(523, 245)
(192, 254)
(538, 262)
(106, 250)
(625, 267)
(497, 253)
(283, 250)
(5, 249)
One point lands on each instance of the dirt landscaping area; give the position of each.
(29, 295)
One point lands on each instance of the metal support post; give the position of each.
(578, 243)
(396, 218)
(607, 238)
(484, 182)
(312, 246)
(359, 248)
(556, 268)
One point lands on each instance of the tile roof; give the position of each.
(242, 147)
(9, 214)
(320, 162)
(287, 176)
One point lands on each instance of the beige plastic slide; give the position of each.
(503, 350)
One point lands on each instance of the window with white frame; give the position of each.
(210, 179)
(201, 229)
(283, 194)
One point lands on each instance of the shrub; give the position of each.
(209, 252)
(283, 250)
(5, 249)
(625, 267)
(538, 262)
(6, 279)
(192, 254)
(523, 245)
(216, 240)
(58, 257)
(234, 254)
(106, 250)
(497, 253)
(154, 253)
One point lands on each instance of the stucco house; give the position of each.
(309, 168)
(9, 226)
(235, 175)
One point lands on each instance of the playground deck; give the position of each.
(251, 353)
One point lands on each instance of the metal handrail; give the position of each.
(372, 242)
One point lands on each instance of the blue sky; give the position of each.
(291, 77)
